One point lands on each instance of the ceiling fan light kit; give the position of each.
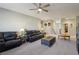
(40, 9)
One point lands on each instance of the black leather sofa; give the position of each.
(33, 35)
(77, 42)
(8, 40)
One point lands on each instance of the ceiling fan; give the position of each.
(40, 7)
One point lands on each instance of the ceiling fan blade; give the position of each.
(45, 10)
(32, 9)
(46, 6)
(39, 4)
(35, 4)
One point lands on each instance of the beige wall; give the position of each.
(13, 21)
(77, 23)
(48, 29)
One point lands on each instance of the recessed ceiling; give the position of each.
(54, 10)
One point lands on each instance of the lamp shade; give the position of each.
(22, 32)
(21, 29)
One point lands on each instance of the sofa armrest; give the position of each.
(2, 46)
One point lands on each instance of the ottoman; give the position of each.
(48, 41)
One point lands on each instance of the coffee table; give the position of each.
(48, 41)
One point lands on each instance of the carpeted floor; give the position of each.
(61, 47)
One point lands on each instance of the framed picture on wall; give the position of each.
(49, 24)
(45, 24)
(66, 27)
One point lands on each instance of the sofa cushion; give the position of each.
(9, 36)
(12, 43)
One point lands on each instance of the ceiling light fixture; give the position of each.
(40, 9)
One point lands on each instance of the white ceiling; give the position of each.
(55, 9)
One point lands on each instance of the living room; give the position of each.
(28, 31)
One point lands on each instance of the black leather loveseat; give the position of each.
(33, 35)
(8, 40)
